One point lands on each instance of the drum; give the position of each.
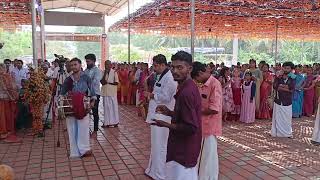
(65, 106)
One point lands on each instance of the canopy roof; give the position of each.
(14, 12)
(18, 12)
(295, 19)
(108, 7)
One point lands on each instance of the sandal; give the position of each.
(87, 154)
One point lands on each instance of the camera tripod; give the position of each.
(56, 91)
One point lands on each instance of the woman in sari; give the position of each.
(8, 97)
(124, 83)
(297, 100)
(141, 88)
(309, 92)
(132, 85)
(257, 77)
(264, 111)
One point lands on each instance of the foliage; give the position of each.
(120, 53)
(15, 44)
(143, 47)
(297, 52)
(84, 48)
(244, 57)
(61, 48)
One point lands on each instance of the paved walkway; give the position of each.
(245, 152)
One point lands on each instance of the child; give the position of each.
(236, 91)
(6, 172)
(247, 114)
(227, 103)
(24, 115)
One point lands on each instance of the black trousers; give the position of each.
(95, 111)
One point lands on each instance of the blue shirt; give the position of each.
(84, 85)
(95, 75)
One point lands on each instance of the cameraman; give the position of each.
(95, 75)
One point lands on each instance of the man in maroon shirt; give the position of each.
(184, 142)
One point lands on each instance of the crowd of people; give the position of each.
(184, 102)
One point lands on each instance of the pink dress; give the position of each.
(247, 114)
(236, 91)
(227, 104)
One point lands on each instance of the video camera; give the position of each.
(61, 60)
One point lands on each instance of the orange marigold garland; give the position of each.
(37, 95)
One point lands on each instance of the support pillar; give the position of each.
(276, 48)
(103, 45)
(235, 50)
(129, 33)
(42, 36)
(34, 33)
(192, 28)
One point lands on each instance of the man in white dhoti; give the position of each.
(109, 83)
(163, 94)
(184, 142)
(316, 130)
(282, 110)
(211, 93)
(78, 128)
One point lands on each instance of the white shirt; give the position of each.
(108, 89)
(164, 91)
(20, 74)
(55, 73)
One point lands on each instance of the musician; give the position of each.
(78, 129)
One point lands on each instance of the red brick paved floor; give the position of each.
(245, 152)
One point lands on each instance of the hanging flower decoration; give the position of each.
(37, 95)
(293, 19)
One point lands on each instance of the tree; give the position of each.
(15, 44)
(61, 48)
(83, 48)
(120, 53)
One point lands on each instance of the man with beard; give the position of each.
(184, 140)
(95, 75)
(163, 94)
(77, 85)
(282, 110)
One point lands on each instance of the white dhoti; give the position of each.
(111, 110)
(157, 161)
(79, 140)
(281, 121)
(316, 129)
(208, 164)
(175, 171)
